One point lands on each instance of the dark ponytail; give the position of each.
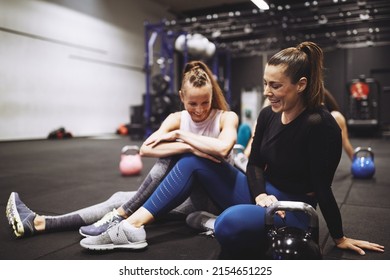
(305, 60)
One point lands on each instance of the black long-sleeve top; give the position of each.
(300, 157)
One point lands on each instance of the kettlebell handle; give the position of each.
(291, 206)
(128, 149)
(363, 149)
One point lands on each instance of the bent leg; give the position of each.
(149, 185)
(225, 184)
(128, 201)
(241, 229)
(241, 232)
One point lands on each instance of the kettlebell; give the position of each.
(363, 166)
(292, 243)
(130, 162)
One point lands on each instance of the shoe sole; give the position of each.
(131, 246)
(84, 235)
(13, 217)
(87, 235)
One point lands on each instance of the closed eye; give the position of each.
(273, 85)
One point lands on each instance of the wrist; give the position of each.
(177, 134)
(339, 240)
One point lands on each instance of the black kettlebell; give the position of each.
(292, 243)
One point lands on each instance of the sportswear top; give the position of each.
(209, 127)
(299, 157)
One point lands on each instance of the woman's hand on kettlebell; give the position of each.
(265, 200)
(357, 245)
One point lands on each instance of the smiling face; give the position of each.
(284, 96)
(197, 100)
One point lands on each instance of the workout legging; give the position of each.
(241, 226)
(130, 201)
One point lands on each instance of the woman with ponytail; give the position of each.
(294, 155)
(295, 152)
(205, 128)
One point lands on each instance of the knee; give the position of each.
(121, 196)
(224, 226)
(241, 226)
(160, 167)
(231, 224)
(191, 160)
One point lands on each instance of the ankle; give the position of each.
(121, 212)
(39, 223)
(140, 217)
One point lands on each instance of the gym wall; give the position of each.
(76, 64)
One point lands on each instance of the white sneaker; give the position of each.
(120, 236)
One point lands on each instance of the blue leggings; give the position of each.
(241, 230)
(241, 227)
(225, 185)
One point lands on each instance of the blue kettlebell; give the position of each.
(363, 166)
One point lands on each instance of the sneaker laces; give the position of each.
(114, 222)
(106, 218)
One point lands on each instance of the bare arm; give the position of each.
(348, 148)
(198, 144)
(171, 123)
(219, 147)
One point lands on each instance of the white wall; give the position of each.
(71, 63)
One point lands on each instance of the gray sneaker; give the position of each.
(120, 236)
(202, 221)
(19, 216)
(110, 219)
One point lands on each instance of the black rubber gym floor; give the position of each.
(59, 176)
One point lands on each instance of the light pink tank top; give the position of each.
(209, 127)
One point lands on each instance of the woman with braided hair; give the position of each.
(295, 152)
(206, 129)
